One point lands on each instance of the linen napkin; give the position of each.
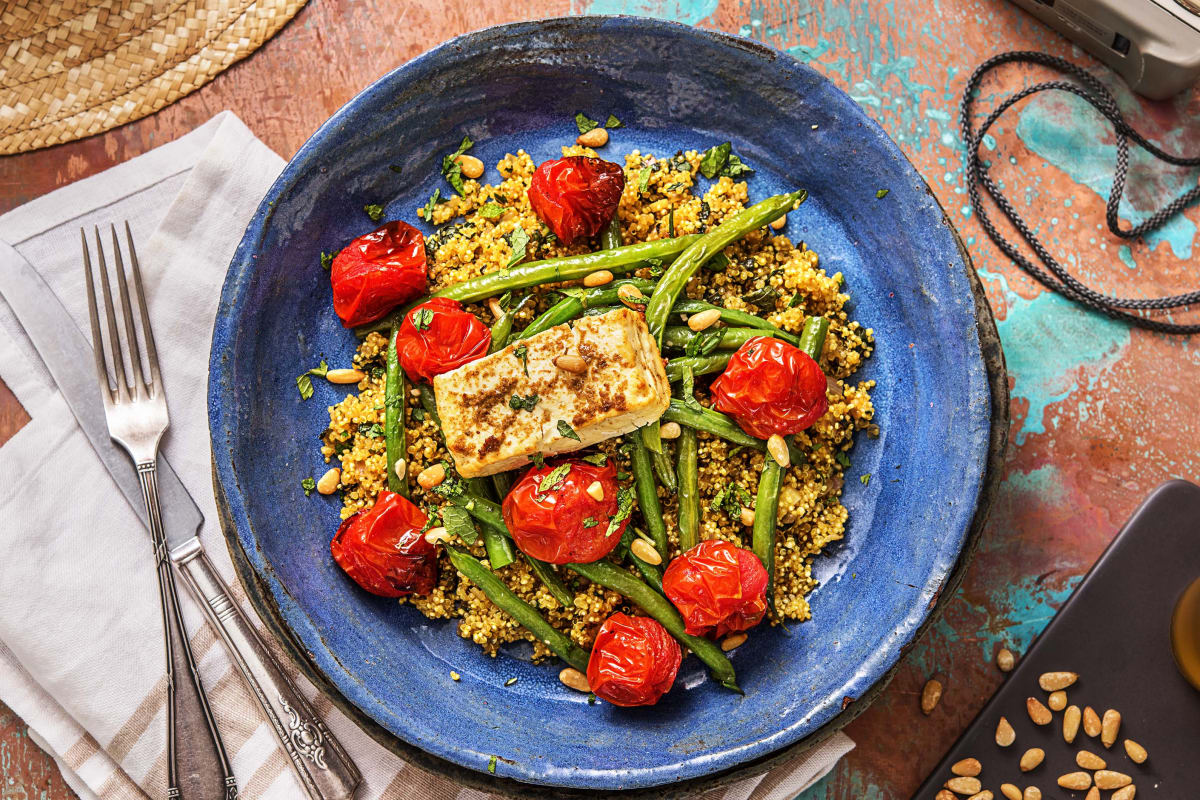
(81, 653)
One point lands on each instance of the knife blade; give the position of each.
(68, 356)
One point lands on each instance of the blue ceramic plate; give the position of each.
(519, 86)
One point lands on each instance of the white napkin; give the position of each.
(81, 654)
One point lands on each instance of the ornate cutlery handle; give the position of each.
(323, 767)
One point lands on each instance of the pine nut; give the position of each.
(778, 224)
(1093, 794)
(598, 278)
(1135, 751)
(704, 319)
(986, 794)
(670, 430)
(1032, 793)
(1091, 721)
(631, 296)
(733, 641)
(1037, 711)
(968, 767)
(494, 306)
(1005, 659)
(574, 679)
(431, 476)
(435, 535)
(344, 375)
(778, 449)
(596, 137)
(1057, 700)
(1108, 779)
(1005, 735)
(1077, 781)
(471, 166)
(945, 794)
(1124, 794)
(596, 491)
(1053, 681)
(748, 517)
(930, 695)
(1031, 758)
(401, 469)
(571, 363)
(646, 552)
(964, 785)
(1010, 791)
(329, 481)
(1089, 760)
(1109, 727)
(1071, 724)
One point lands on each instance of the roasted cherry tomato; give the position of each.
(718, 588)
(438, 336)
(384, 551)
(576, 196)
(633, 661)
(377, 272)
(552, 517)
(771, 387)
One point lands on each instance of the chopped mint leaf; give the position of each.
(644, 178)
(624, 509)
(565, 430)
(553, 478)
(434, 199)
(866, 479)
(796, 300)
(703, 343)
(421, 318)
(510, 681)
(731, 499)
(842, 458)
(522, 352)
(719, 160)
(492, 765)
(374, 211)
(518, 403)
(612, 122)
(372, 431)
(457, 522)
(491, 211)
(882, 193)
(537, 460)
(596, 459)
(763, 297)
(451, 170)
(518, 240)
(327, 260)
(584, 124)
(590, 522)
(304, 382)
(308, 485)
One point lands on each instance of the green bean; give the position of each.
(394, 435)
(621, 260)
(651, 436)
(563, 311)
(677, 337)
(812, 337)
(526, 615)
(686, 456)
(554, 584)
(577, 302)
(610, 576)
(500, 550)
(700, 365)
(485, 510)
(502, 327)
(721, 426)
(502, 482)
(766, 507)
(607, 295)
(428, 402)
(647, 494)
(731, 316)
(704, 248)
(665, 470)
(610, 234)
(650, 573)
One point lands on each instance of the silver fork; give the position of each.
(136, 410)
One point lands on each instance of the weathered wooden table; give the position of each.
(1101, 414)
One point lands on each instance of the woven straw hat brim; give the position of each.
(72, 68)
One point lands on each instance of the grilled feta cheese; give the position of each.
(499, 411)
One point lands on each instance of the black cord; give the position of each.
(1058, 279)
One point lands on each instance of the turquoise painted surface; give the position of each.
(689, 11)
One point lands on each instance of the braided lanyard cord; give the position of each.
(1091, 90)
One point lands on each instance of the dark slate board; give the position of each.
(1115, 632)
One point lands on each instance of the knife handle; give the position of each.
(323, 767)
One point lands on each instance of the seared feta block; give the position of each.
(499, 411)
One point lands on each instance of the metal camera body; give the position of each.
(1153, 44)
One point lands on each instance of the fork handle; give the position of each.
(201, 772)
(323, 767)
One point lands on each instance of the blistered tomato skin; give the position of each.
(377, 272)
(438, 336)
(384, 551)
(634, 661)
(717, 588)
(576, 196)
(564, 524)
(771, 387)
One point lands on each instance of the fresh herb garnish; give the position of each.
(735, 168)
(566, 431)
(538, 460)
(518, 403)
(590, 522)
(308, 485)
(491, 211)
(304, 382)
(418, 414)
(492, 765)
(522, 353)
(624, 509)
(327, 260)
(457, 522)
(374, 211)
(434, 199)
(731, 499)
(510, 681)
(656, 267)
(452, 486)
(596, 459)
(882, 193)
(703, 343)
(553, 478)
(623, 475)
(719, 160)
(591, 698)
(842, 458)
(584, 124)
(644, 178)
(688, 390)
(518, 240)
(451, 169)
(763, 297)
(421, 318)
(371, 430)
(612, 122)
(866, 479)
(796, 300)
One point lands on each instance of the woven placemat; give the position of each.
(72, 68)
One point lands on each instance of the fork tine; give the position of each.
(147, 331)
(138, 386)
(97, 339)
(120, 374)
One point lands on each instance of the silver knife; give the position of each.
(321, 764)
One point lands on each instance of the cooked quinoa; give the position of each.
(658, 202)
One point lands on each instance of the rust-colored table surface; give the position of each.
(1101, 413)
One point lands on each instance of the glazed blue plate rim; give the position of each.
(267, 592)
